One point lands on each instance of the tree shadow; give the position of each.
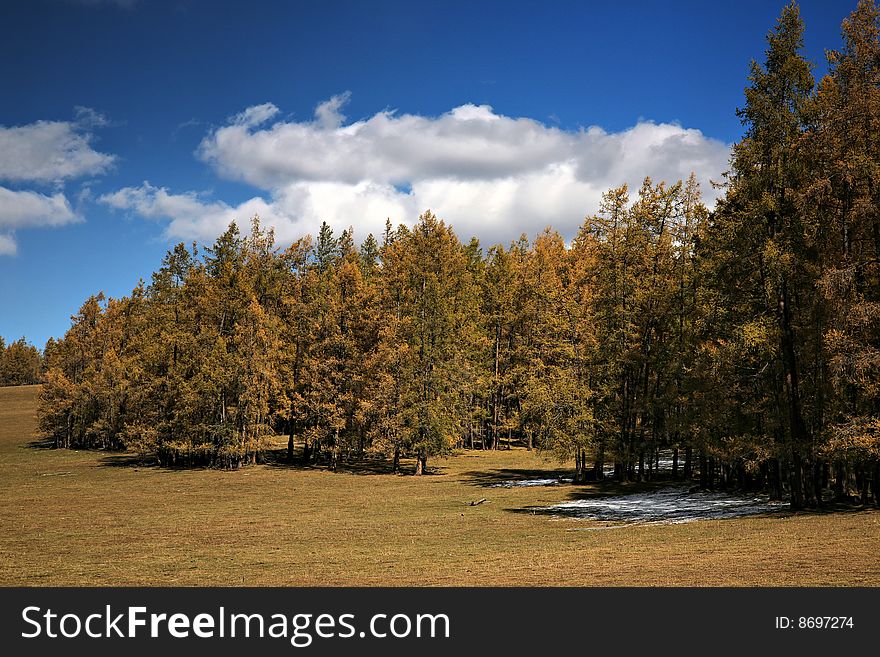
(130, 460)
(615, 488)
(500, 476)
(520, 477)
(272, 458)
(836, 507)
(363, 465)
(359, 467)
(41, 443)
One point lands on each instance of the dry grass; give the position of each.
(89, 518)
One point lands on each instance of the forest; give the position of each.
(743, 338)
(20, 363)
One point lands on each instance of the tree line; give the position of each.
(745, 339)
(21, 363)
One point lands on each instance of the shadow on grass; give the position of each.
(366, 465)
(520, 477)
(41, 443)
(129, 460)
(614, 488)
(277, 458)
(835, 507)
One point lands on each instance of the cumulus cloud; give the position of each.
(29, 209)
(488, 174)
(20, 209)
(7, 245)
(189, 215)
(46, 153)
(328, 114)
(51, 151)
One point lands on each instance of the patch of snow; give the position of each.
(662, 464)
(670, 505)
(528, 483)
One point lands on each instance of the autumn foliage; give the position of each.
(745, 340)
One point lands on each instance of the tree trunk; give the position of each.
(876, 483)
(496, 393)
(775, 479)
(820, 479)
(862, 483)
(796, 480)
(797, 428)
(599, 464)
(704, 475)
(840, 487)
(421, 463)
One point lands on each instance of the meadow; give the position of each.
(101, 518)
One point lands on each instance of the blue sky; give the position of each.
(128, 125)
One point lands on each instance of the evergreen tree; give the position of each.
(759, 223)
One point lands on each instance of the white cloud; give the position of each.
(189, 216)
(45, 153)
(28, 209)
(20, 209)
(469, 142)
(86, 117)
(7, 245)
(328, 114)
(254, 116)
(51, 151)
(486, 173)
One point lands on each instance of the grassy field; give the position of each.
(91, 518)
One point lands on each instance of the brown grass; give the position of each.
(91, 518)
